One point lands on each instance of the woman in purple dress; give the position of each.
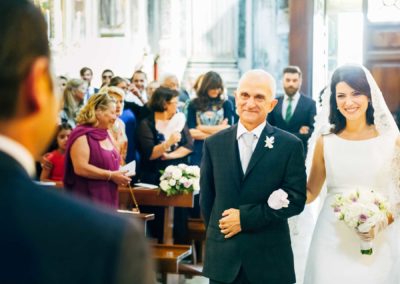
(92, 160)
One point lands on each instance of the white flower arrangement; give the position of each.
(180, 179)
(362, 211)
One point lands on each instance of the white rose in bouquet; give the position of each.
(183, 166)
(177, 173)
(164, 185)
(180, 179)
(172, 182)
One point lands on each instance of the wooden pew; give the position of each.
(144, 217)
(168, 258)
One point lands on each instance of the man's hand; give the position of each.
(230, 223)
(304, 130)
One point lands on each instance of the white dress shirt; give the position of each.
(241, 130)
(295, 100)
(19, 153)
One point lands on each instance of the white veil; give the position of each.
(384, 123)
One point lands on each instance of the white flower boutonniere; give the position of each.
(269, 142)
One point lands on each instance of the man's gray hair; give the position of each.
(263, 75)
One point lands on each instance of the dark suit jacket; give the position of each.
(48, 237)
(263, 246)
(303, 116)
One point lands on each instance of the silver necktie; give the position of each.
(247, 151)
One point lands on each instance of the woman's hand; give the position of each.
(120, 178)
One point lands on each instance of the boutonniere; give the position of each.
(269, 142)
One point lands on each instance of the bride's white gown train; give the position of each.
(334, 255)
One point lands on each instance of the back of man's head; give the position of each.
(23, 39)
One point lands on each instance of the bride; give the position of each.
(355, 145)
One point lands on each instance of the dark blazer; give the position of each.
(263, 246)
(147, 138)
(303, 116)
(48, 237)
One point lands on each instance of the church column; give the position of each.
(213, 39)
(171, 59)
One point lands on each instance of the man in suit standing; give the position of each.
(48, 237)
(294, 111)
(248, 241)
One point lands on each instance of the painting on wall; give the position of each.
(112, 18)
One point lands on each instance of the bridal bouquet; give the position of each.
(180, 179)
(362, 211)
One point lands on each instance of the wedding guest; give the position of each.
(208, 113)
(118, 129)
(73, 100)
(158, 145)
(87, 75)
(47, 237)
(92, 160)
(295, 111)
(151, 87)
(54, 170)
(106, 76)
(62, 83)
(161, 145)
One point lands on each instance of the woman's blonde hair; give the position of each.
(113, 89)
(87, 115)
(70, 104)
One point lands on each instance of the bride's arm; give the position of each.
(318, 173)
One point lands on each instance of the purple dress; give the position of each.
(99, 191)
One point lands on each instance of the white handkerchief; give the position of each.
(278, 199)
(131, 168)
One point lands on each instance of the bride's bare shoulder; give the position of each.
(398, 141)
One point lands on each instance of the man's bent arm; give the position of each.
(259, 215)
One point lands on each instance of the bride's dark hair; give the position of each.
(354, 76)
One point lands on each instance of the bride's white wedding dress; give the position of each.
(334, 255)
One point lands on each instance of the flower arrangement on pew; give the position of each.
(180, 179)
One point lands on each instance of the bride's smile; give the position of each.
(351, 103)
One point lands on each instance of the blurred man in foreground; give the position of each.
(47, 237)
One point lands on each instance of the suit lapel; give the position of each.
(234, 148)
(260, 149)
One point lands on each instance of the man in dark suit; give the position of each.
(47, 237)
(294, 111)
(248, 241)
